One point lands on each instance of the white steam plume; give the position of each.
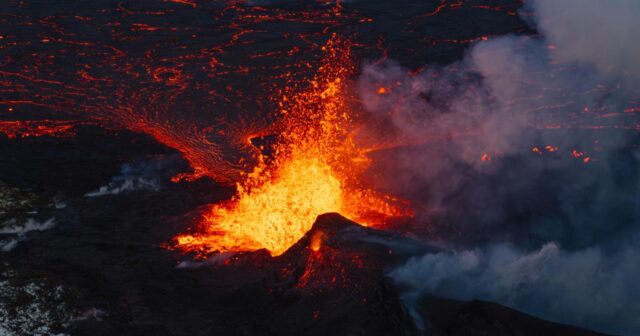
(586, 288)
(507, 95)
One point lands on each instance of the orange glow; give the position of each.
(315, 169)
(576, 154)
(191, 3)
(316, 241)
(29, 128)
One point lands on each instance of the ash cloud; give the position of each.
(524, 155)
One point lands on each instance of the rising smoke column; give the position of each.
(527, 148)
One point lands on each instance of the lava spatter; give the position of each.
(314, 169)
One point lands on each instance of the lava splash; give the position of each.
(314, 168)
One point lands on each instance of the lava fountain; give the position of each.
(313, 168)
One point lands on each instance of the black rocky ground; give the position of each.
(103, 270)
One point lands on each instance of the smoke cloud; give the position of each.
(524, 155)
(146, 175)
(597, 32)
(586, 287)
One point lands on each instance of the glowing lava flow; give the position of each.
(28, 128)
(314, 169)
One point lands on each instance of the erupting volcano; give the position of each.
(319, 167)
(314, 167)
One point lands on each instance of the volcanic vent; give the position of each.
(314, 167)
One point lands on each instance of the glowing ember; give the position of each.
(314, 169)
(316, 241)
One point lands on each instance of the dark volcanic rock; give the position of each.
(107, 272)
(456, 318)
(72, 165)
(127, 284)
(341, 288)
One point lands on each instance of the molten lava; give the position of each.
(29, 128)
(314, 168)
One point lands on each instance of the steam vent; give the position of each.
(319, 167)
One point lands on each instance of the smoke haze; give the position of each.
(525, 156)
(598, 32)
